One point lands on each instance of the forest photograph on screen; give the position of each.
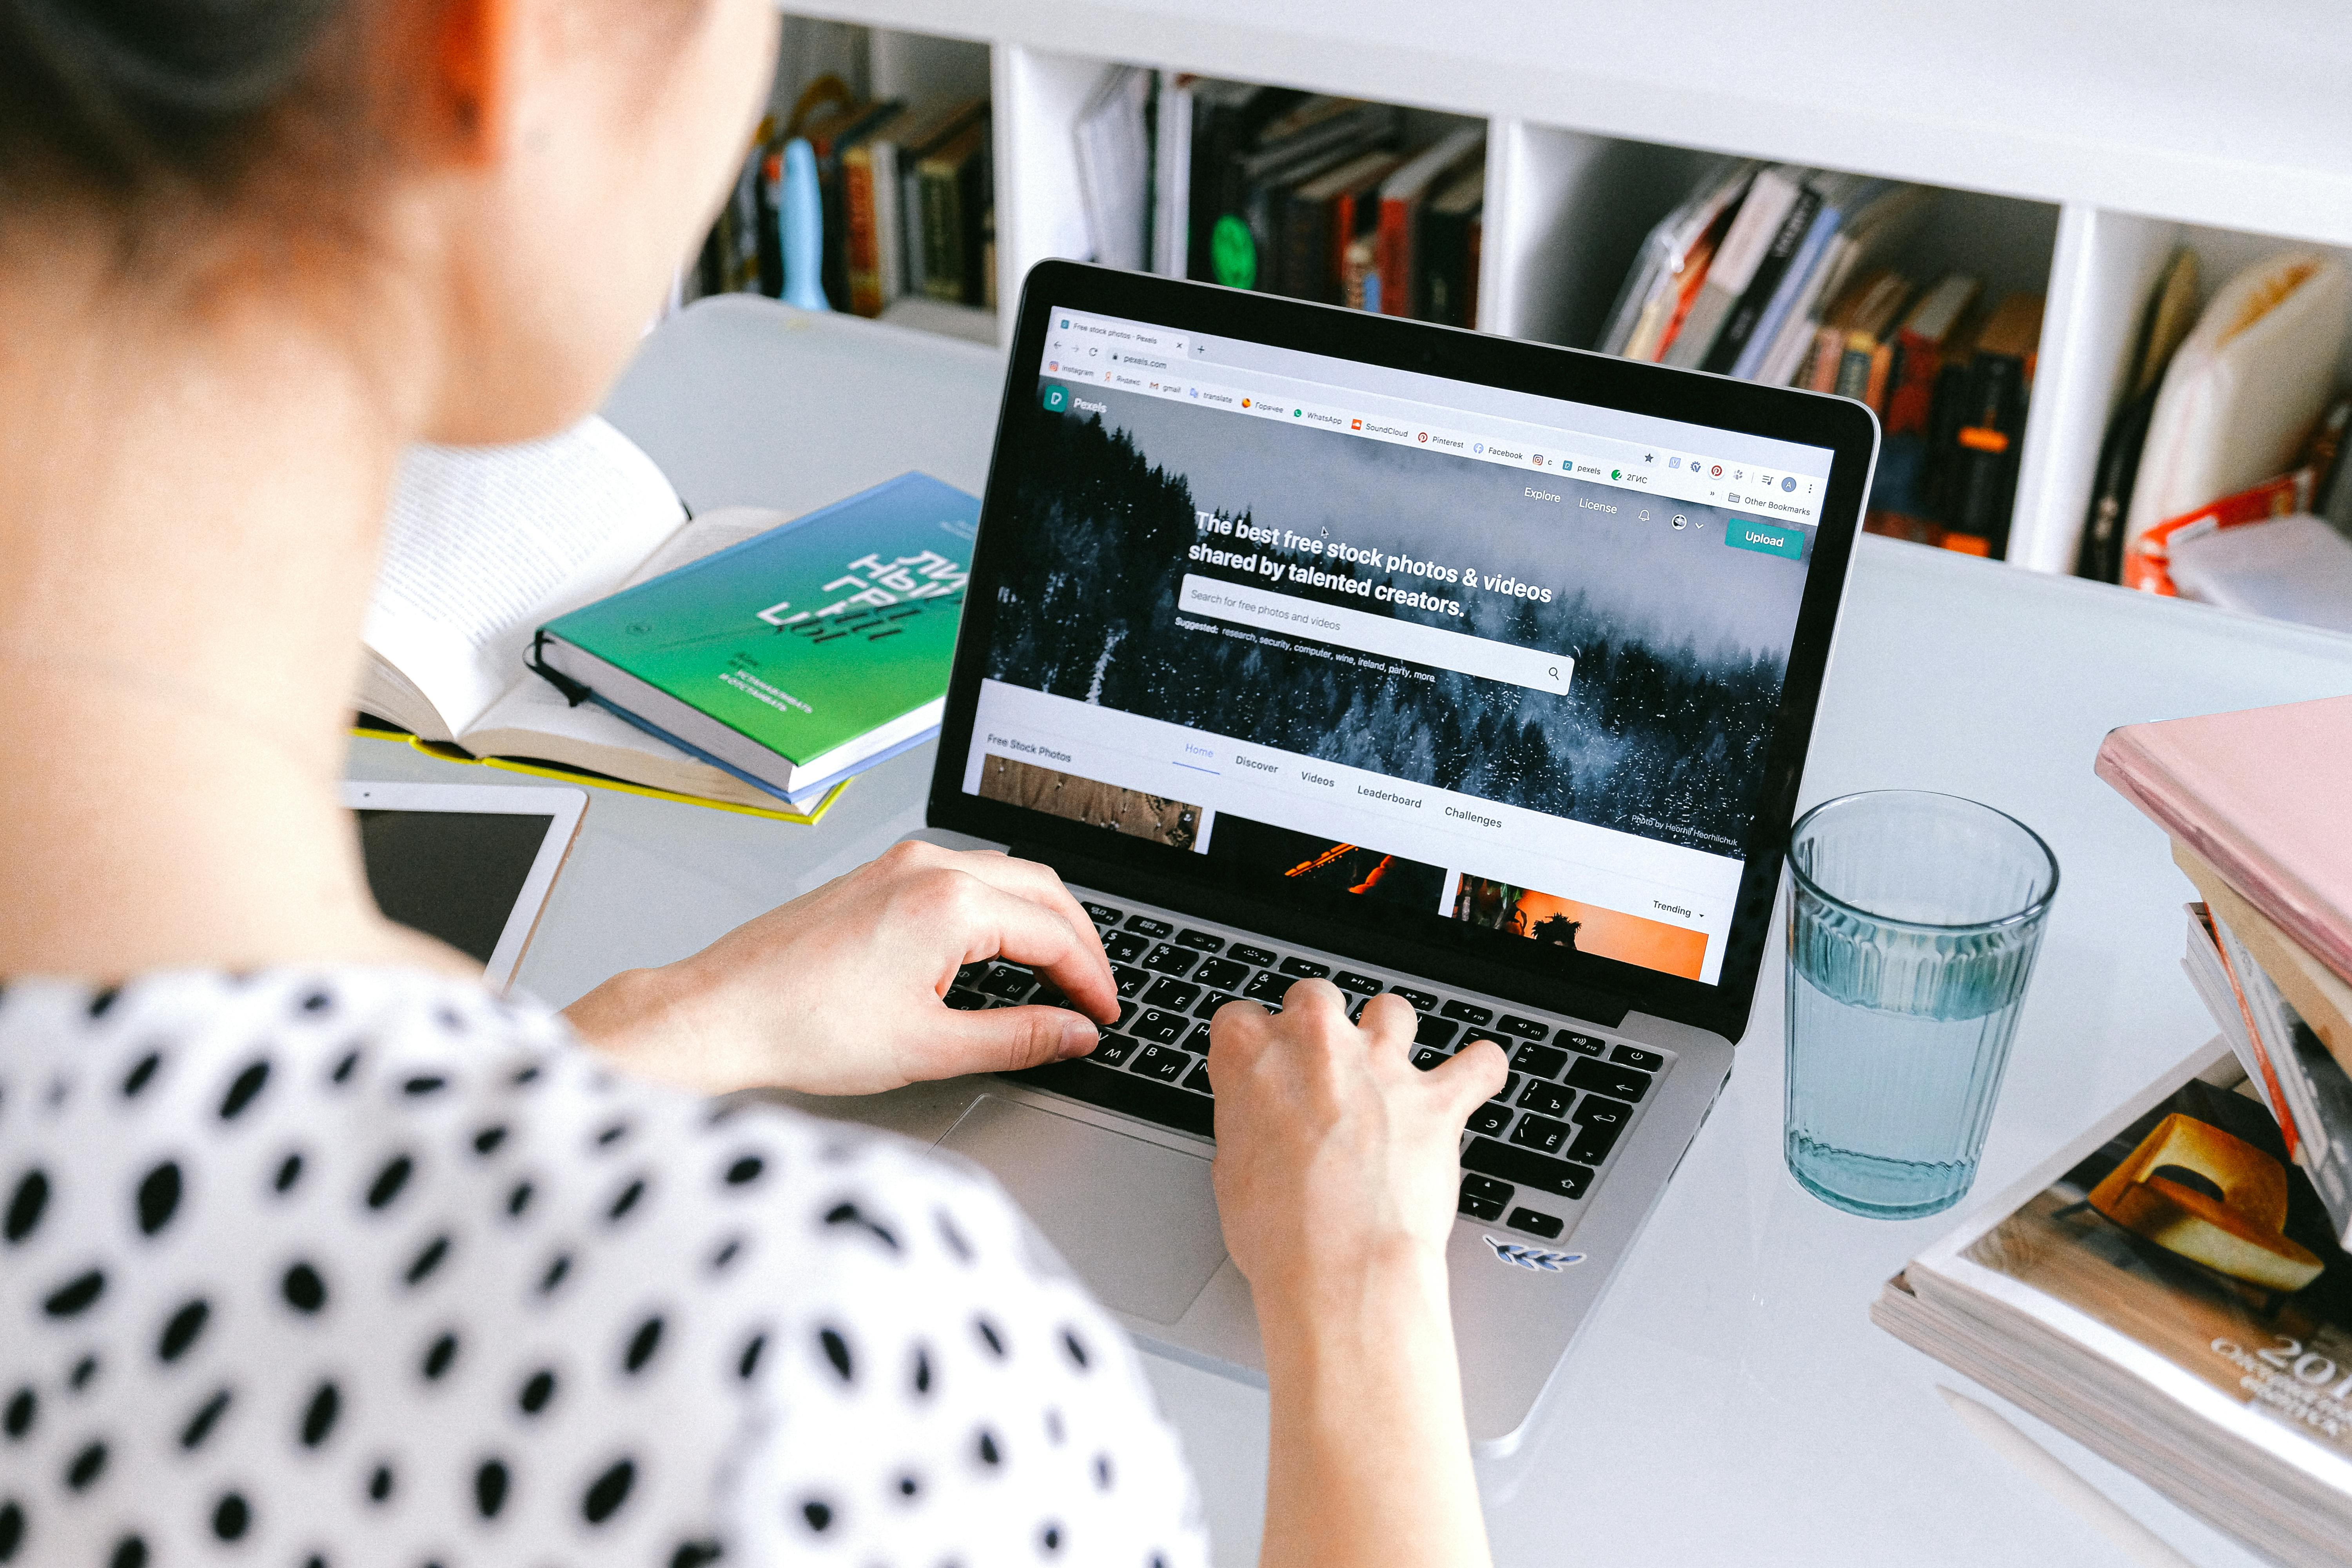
(1681, 646)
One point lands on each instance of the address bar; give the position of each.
(1240, 604)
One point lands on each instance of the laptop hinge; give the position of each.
(1465, 971)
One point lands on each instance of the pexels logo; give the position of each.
(1532, 1257)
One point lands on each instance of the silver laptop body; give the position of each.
(1616, 1061)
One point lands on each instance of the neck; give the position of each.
(192, 481)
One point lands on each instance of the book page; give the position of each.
(484, 544)
(532, 719)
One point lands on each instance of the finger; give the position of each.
(1028, 880)
(1314, 997)
(1006, 1040)
(1389, 1020)
(1006, 925)
(1465, 1080)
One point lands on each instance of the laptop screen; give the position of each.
(1431, 651)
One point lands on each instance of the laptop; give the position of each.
(1306, 643)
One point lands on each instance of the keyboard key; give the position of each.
(1422, 999)
(1468, 1012)
(1201, 940)
(1112, 1051)
(1167, 958)
(1149, 927)
(1483, 1197)
(1124, 946)
(1011, 984)
(1206, 1007)
(1132, 983)
(1544, 1061)
(1101, 914)
(1435, 1032)
(1127, 1012)
(1528, 1168)
(1221, 974)
(1542, 1133)
(1475, 1035)
(1636, 1057)
(1248, 954)
(1427, 1057)
(1163, 1028)
(971, 973)
(1526, 1029)
(1618, 1083)
(1490, 1119)
(1593, 1143)
(965, 1001)
(1163, 1062)
(1547, 1098)
(1597, 1111)
(1582, 1045)
(1199, 1081)
(1348, 980)
(1305, 969)
(1501, 1096)
(1544, 1225)
(1171, 993)
(1197, 1042)
(1267, 986)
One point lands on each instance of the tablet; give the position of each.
(470, 865)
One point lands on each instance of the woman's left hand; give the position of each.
(840, 991)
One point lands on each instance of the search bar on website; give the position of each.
(1243, 605)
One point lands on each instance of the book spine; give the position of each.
(942, 234)
(1393, 250)
(1306, 250)
(2315, 1086)
(912, 231)
(862, 241)
(1444, 251)
(1828, 356)
(1763, 283)
(2237, 1023)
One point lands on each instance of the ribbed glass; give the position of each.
(1914, 920)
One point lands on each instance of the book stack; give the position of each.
(2222, 476)
(2175, 1291)
(1785, 275)
(1316, 197)
(907, 203)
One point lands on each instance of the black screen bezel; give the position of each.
(1591, 986)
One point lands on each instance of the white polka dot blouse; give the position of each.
(363, 1267)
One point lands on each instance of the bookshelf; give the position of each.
(2072, 148)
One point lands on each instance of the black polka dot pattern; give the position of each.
(302, 1260)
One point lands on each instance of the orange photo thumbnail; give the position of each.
(1581, 928)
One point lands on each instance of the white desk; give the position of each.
(1731, 1402)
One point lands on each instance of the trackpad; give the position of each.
(1137, 1220)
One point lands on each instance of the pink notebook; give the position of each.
(2263, 796)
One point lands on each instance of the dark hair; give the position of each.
(121, 92)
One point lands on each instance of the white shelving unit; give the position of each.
(2076, 144)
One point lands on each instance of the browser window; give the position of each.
(1478, 655)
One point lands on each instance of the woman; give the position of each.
(309, 1251)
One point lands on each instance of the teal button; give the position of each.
(1770, 538)
(1056, 397)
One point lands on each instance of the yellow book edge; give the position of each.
(443, 752)
(2317, 993)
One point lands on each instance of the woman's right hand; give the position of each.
(1334, 1152)
(1335, 1172)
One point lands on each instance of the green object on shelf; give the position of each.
(1233, 254)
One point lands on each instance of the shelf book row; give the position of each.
(1788, 276)
(2223, 475)
(2175, 1290)
(905, 203)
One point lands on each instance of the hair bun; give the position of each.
(125, 86)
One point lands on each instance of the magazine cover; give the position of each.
(2189, 1238)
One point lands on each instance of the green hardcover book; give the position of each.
(794, 659)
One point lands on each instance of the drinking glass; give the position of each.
(1914, 920)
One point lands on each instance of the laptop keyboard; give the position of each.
(1530, 1154)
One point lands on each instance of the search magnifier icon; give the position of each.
(1555, 672)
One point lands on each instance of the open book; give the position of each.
(485, 545)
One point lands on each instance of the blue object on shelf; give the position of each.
(800, 222)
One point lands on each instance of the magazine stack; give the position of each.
(2174, 1290)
